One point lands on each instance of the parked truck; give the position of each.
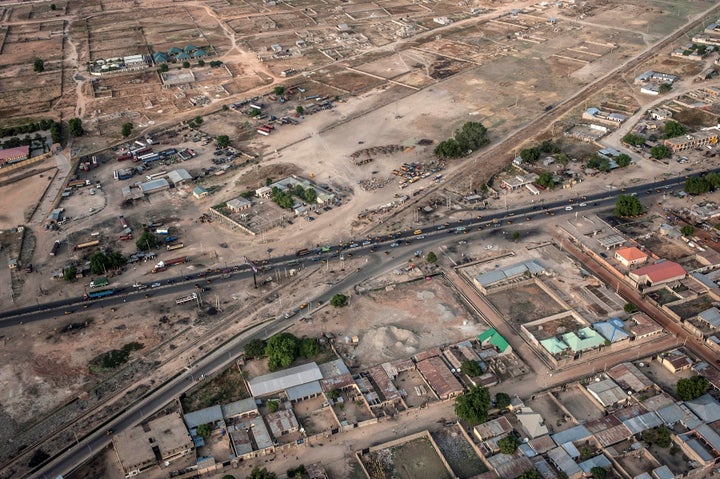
(171, 247)
(123, 223)
(302, 252)
(170, 239)
(55, 248)
(186, 299)
(163, 265)
(79, 183)
(98, 294)
(99, 282)
(162, 231)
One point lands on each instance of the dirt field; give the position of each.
(412, 460)
(525, 303)
(580, 406)
(463, 460)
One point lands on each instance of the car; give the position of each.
(366, 242)
(353, 245)
(441, 227)
(394, 245)
(462, 242)
(310, 218)
(421, 237)
(417, 232)
(568, 208)
(155, 285)
(583, 204)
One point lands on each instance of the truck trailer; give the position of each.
(99, 282)
(98, 294)
(88, 244)
(186, 299)
(171, 247)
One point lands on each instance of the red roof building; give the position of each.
(630, 256)
(14, 154)
(658, 273)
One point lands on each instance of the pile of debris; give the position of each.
(374, 183)
(364, 156)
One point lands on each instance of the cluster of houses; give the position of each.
(627, 403)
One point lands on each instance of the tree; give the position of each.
(508, 444)
(691, 388)
(448, 149)
(309, 347)
(255, 348)
(530, 155)
(516, 235)
(53, 7)
(163, 67)
(223, 141)
(198, 120)
(431, 258)
(660, 151)
(215, 64)
(633, 139)
(695, 185)
(147, 241)
(205, 430)
(279, 90)
(471, 368)
(263, 473)
(658, 435)
(473, 405)
(310, 195)
(687, 230)
(273, 406)
(75, 127)
(201, 63)
(186, 64)
(627, 205)
(299, 110)
(126, 129)
(502, 400)
(38, 66)
(598, 472)
(339, 300)
(333, 394)
(546, 180)
(665, 87)
(623, 160)
(70, 273)
(281, 350)
(228, 476)
(630, 308)
(530, 474)
(673, 129)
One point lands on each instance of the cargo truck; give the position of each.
(89, 244)
(170, 239)
(99, 282)
(186, 299)
(302, 252)
(98, 294)
(171, 247)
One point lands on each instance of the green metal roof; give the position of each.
(495, 338)
(585, 338)
(553, 345)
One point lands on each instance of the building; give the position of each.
(652, 76)
(199, 192)
(676, 361)
(500, 276)
(491, 336)
(154, 186)
(691, 141)
(440, 378)
(658, 273)
(179, 177)
(630, 256)
(630, 378)
(11, 155)
(238, 204)
(518, 181)
(496, 428)
(706, 407)
(162, 440)
(596, 115)
(612, 330)
(711, 317)
(532, 422)
(282, 422)
(642, 326)
(282, 380)
(607, 392)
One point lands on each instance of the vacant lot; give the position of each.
(525, 303)
(547, 406)
(582, 408)
(692, 308)
(229, 386)
(416, 459)
(462, 458)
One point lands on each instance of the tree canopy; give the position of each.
(309, 347)
(471, 368)
(530, 474)
(223, 141)
(263, 473)
(75, 127)
(658, 435)
(431, 257)
(339, 300)
(126, 129)
(623, 160)
(660, 151)
(628, 205)
(473, 405)
(281, 350)
(508, 444)
(697, 185)
(147, 241)
(673, 129)
(255, 348)
(687, 230)
(546, 180)
(38, 65)
(502, 400)
(470, 137)
(205, 430)
(691, 388)
(100, 262)
(633, 140)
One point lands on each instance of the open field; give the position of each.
(416, 459)
(525, 303)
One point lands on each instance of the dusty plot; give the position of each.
(416, 459)
(525, 303)
(663, 377)
(579, 405)
(227, 387)
(635, 463)
(679, 463)
(397, 324)
(555, 418)
(449, 48)
(313, 417)
(693, 307)
(352, 409)
(345, 80)
(669, 250)
(459, 454)
(389, 66)
(417, 393)
(25, 194)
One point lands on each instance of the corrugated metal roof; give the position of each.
(239, 408)
(303, 390)
(574, 434)
(287, 378)
(640, 423)
(204, 416)
(705, 407)
(597, 461)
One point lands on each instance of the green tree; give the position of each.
(530, 155)
(310, 195)
(515, 235)
(255, 348)
(623, 160)
(268, 181)
(697, 185)
(70, 273)
(215, 64)
(633, 139)
(471, 368)
(223, 141)
(205, 430)
(339, 300)
(309, 347)
(431, 258)
(75, 127)
(473, 405)
(627, 206)
(333, 394)
(508, 444)
(186, 64)
(546, 180)
(299, 110)
(263, 473)
(53, 7)
(38, 66)
(502, 400)
(163, 68)
(665, 87)
(658, 435)
(201, 63)
(273, 406)
(530, 474)
(198, 120)
(660, 151)
(630, 308)
(691, 388)
(687, 230)
(598, 472)
(228, 476)
(147, 241)
(279, 90)
(126, 129)
(281, 350)
(448, 149)
(254, 112)
(673, 129)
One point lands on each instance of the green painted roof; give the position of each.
(586, 338)
(495, 338)
(553, 345)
